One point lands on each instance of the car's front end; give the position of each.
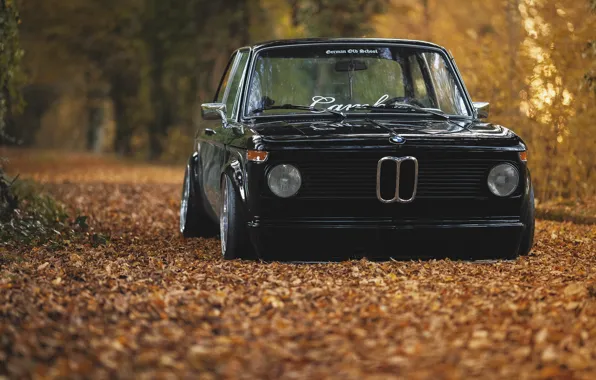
(347, 202)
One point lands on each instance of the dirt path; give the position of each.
(152, 305)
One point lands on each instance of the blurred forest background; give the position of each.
(127, 76)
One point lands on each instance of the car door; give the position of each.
(213, 148)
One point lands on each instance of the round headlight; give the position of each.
(503, 180)
(284, 180)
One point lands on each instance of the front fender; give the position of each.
(235, 170)
(527, 197)
(196, 187)
(193, 171)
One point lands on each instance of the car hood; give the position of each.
(380, 130)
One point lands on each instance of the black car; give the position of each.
(323, 149)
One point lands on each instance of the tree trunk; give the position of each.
(159, 102)
(123, 135)
(427, 28)
(96, 120)
(295, 12)
(5, 114)
(97, 92)
(246, 9)
(513, 41)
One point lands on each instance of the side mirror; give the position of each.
(214, 111)
(482, 109)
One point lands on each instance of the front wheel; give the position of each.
(232, 224)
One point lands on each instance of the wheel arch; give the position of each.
(234, 169)
(193, 170)
(527, 197)
(196, 189)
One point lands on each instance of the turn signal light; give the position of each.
(257, 155)
(523, 155)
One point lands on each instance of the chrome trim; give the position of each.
(269, 180)
(516, 186)
(233, 69)
(482, 109)
(398, 161)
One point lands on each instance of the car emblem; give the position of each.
(397, 139)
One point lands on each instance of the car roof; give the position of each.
(306, 41)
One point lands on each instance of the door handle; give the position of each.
(210, 132)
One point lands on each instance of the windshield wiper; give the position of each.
(298, 107)
(404, 106)
(377, 124)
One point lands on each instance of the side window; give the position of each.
(221, 91)
(235, 84)
(448, 95)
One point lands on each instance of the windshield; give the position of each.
(349, 79)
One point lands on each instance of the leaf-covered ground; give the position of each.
(151, 305)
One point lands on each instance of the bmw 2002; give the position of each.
(322, 149)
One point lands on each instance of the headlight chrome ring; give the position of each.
(503, 179)
(284, 180)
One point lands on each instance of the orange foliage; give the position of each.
(529, 58)
(150, 304)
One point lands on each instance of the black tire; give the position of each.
(527, 240)
(194, 222)
(233, 231)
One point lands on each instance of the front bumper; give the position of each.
(321, 239)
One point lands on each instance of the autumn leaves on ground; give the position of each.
(149, 304)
